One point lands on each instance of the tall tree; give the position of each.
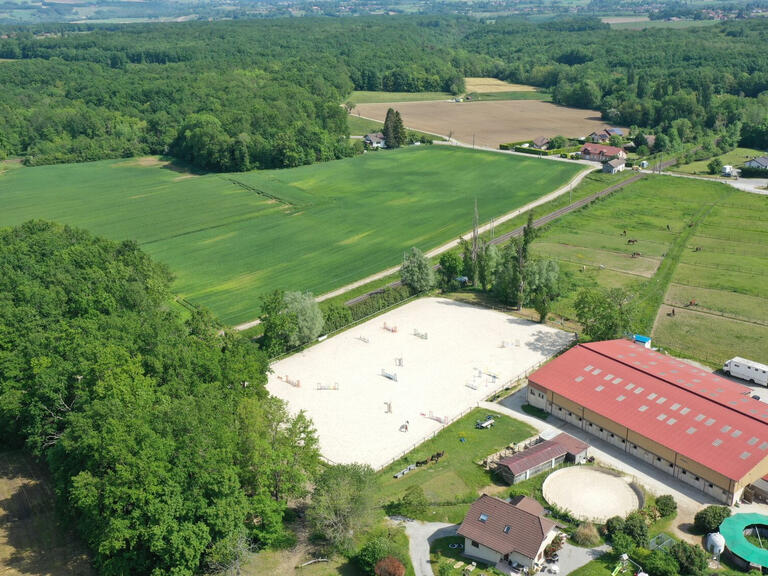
(416, 271)
(605, 313)
(390, 130)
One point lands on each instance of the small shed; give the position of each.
(543, 456)
(715, 543)
(642, 340)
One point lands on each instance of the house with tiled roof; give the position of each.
(496, 531)
(601, 153)
(760, 162)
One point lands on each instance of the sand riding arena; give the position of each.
(590, 493)
(377, 390)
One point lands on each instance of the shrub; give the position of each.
(613, 526)
(622, 544)
(414, 503)
(709, 519)
(666, 505)
(389, 566)
(586, 535)
(372, 552)
(692, 560)
(553, 547)
(660, 563)
(636, 528)
(335, 316)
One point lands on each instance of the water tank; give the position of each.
(715, 543)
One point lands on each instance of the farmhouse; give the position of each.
(375, 140)
(543, 456)
(605, 135)
(497, 531)
(761, 163)
(700, 428)
(614, 166)
(541, 142)
(600, 153)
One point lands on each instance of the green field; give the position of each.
(592, 250)
(453, 483)
(514, 95)
(735, 157)
(359, 126)
(727, 277)
(368, 97)
(228, 238)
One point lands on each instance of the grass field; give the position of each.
(229, 238)
(592, 250)
(453, 483)
(724, 269)
(367, 97)
(33, 540)
(735, 157)
(496, 96)
(361, 126)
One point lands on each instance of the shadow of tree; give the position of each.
(549, 342)
(33, 541)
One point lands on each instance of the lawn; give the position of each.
(454, 482)
(441, 554)
(368, 97)
(735, 157)
(228, 238)
(724, 269)
(33, 539)
(603, 566)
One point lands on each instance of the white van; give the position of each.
(747, 370)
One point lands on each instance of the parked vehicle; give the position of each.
(748, 370)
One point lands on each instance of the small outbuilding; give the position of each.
(715, 543)
(761, 163)
(375, 140)
(615, 166)
(540, 457)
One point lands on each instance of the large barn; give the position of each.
(700, 428)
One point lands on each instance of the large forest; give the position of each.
(266, 94)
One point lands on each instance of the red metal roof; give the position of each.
(691, 411)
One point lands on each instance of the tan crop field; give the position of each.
(489, 85)
(34, 541)
(490, 123)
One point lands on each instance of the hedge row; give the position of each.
(749, 172)
(337, 316)
(537, 152)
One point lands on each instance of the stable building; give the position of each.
(545, 455)
(702, 429)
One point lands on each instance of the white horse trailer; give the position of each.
(747, 370)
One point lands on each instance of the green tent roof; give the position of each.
(732, 530)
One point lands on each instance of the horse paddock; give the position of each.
(589, 493)
(381, 388)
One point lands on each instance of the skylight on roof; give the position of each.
(643, 408)
(589, 368)
(674, 406)
(764, 446)
(685, 411)
(483, 517)
(506, 529)
(608, 377)
(700, 417)
(661, 417)
(736, 433)
(717, 442)
(620, 398)
(639, 390)
(596, 371)
(661, 400)
(629, 386)
(600, 388)
(652, 395)
(579, 378)
(617, 380)
(671, 421)
(725, 429)
(710, 421)
(745, 455)
(752, 441)
(691, 430)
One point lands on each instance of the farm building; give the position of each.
(543, 456)
(496, 531)
(375, 140)
(600, 153)
(605, 135)
(761, 163)
(614, 166)
(541, 142)
(700, 428)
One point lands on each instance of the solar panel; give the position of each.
(652, 395)
(763, 446)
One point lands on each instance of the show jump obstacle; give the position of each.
(390, 375)
(334, 386)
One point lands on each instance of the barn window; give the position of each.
(533, 392)
(475, 544)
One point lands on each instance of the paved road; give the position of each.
(571, 557)
(420, 536)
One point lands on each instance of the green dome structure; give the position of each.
(732, 530)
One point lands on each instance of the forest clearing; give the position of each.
(490, 123)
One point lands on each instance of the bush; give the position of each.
(613, 526)
(636, 528)
(692, 560)
(586, 535)
(709, 519)
(389, 566)
(622, 544)
(666, 506)
(660, 563)
(372, 552)
(553, 547)
(335, 316)
(414, 503)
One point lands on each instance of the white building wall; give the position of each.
(480, 552)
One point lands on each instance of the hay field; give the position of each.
(728, 279)
(490, 85)
(33, 541)
(491, 122)
(229, 238)
(460, 363)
